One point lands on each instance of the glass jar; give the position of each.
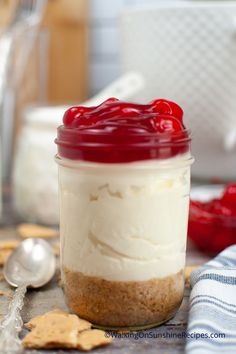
(123, 227)
(35, 185)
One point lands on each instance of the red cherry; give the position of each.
(165, 123)
(229, 196)
(106, 109)
(170, 124)
(216, 206)
(130, 112)
(212, 224)
(104, 105)
(114, 110)
(167, 107)
(224, 236)
(74, 113)
(196, 204)
(69, 115)
(200, 212)
(109, 100)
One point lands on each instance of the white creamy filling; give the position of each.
(123, 223)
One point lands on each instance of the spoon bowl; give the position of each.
(32, 264)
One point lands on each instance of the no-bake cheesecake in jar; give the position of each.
(124, 178)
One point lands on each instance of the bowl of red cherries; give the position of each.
(212, 217)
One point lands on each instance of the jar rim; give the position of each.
(77, 144)
(175, 162)
(162, 138)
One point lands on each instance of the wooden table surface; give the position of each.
(51, 296)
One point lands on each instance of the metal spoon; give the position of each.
(31, 264)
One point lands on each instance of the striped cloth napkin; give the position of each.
(212, 313)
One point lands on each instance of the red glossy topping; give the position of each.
(118, 131)
(212, 224)
(229, 196)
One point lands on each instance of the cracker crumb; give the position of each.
(4, 254)
(6, 293)
(56, 249)
(9, 244)
(6, 248)
(132, 303)
(33, 230)
(124, 331)
(187, 272)
(90, 339)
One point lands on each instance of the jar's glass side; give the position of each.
(123, 237)
(33, 162)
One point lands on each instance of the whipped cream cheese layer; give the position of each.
(124, 222)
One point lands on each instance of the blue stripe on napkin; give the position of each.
(213, 306)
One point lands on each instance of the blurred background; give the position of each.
(56, 53)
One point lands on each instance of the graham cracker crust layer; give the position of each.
(123, 304)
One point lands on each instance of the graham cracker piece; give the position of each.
(187, 272)
(4, 254)
(6, 247)
(83, 324)
(55, 329)
(56, 249)
(9, 244)
(33, 230)
(7, 294)
(93, 338)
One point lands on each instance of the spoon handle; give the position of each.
(12, 324)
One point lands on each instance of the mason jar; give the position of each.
(123, 225)
(35, 186)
